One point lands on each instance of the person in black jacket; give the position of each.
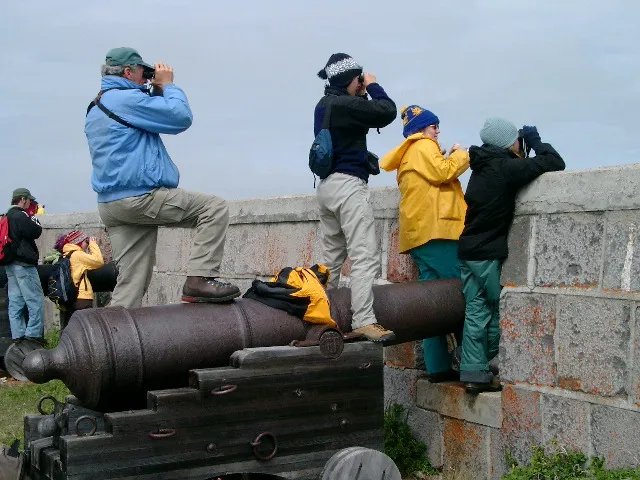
(498, 173)
(24, 288)
(346, 216)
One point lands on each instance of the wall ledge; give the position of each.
(593, 190)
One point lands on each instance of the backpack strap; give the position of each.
(326, 121)
(83, 277)
(84, 274)
(96, 103)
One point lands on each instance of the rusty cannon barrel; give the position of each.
(110, 357)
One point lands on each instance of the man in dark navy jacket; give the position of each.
(346, 215)
(21, 257)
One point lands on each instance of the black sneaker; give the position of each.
(447, 376)
(17, 340)
(39, 340)
(208, 290)
(474, 388)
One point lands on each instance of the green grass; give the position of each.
(408, 453)
(566, 465)
(19, 399)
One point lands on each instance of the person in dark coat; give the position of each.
(346, 216)
(499, 171)
(21, 257)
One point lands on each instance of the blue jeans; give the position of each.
(436, 259)
(24, 288)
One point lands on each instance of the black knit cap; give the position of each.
(340, 70)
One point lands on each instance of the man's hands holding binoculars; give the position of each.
(163, 75)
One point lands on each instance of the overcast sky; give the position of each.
(571, 67)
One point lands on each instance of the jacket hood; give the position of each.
(392, 160)
(482, 156)
(70, 247)
(331, 90)
(113, 81)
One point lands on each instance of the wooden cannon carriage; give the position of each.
(276, 412)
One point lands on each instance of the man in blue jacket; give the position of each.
(136, 180)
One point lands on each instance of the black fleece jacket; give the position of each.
(496, 177)
(351, 119)
(23, 231)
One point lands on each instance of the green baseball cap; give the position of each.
(121, 56)
(22, 193)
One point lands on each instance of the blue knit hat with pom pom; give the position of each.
(416, 118)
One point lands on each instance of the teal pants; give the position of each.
(437, 259)
(481, 337)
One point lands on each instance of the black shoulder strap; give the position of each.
(326, 121)
(96, 103)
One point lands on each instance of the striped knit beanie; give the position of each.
(340, 70)
(75, 237)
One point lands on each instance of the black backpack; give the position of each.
(60, 287)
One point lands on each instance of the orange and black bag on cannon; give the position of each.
(298, 291)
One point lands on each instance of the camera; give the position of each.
(148, 74)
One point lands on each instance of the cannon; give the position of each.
(109, 358)
(231, 391)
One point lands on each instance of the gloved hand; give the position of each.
(531, 136)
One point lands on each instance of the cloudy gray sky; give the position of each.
(249, 70)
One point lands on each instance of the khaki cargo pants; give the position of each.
(132, 224)
(347, 228)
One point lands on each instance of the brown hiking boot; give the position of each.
(376, 333)
(208, 290)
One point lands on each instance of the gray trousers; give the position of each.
(347, 228)
(132, 224)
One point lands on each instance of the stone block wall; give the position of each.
(569, 316)
(570, 354)
(264, 236)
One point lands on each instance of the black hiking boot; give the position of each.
(446, 376)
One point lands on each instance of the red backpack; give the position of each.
(4, 240)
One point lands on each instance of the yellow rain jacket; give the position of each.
(432, 203)
(81, 262)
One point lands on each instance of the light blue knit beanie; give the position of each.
(498, 132)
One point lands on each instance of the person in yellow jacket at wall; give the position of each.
(84, 255)
(432, 212)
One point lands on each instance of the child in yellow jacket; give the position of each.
(432, 212)
(84, 254)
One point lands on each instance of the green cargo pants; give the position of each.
(436, 259)
(481, 337)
